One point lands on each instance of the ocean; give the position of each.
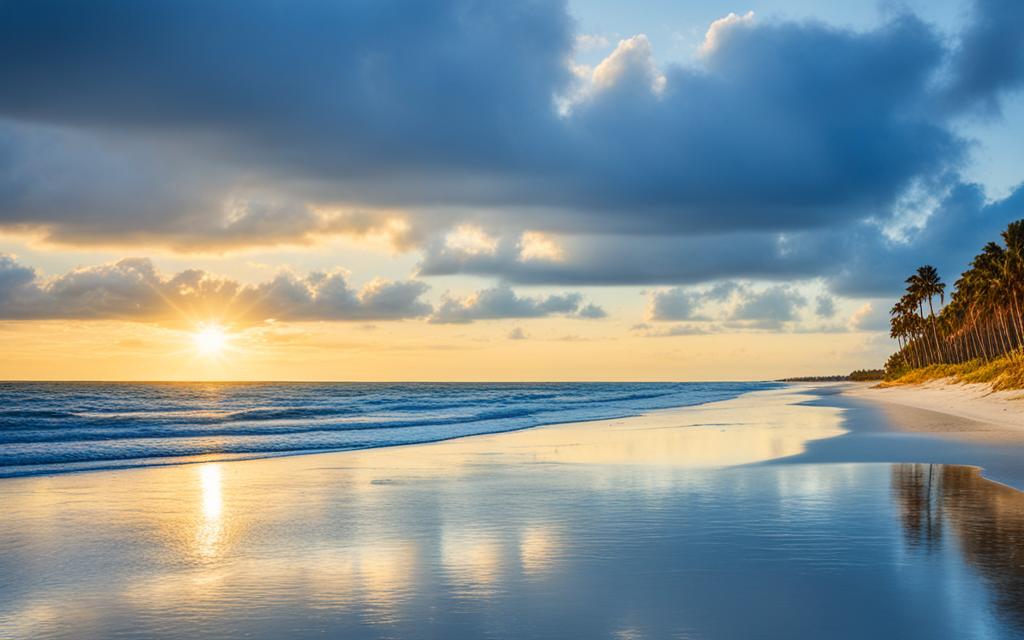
(60, 427)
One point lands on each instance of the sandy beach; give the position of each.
(996, 414)
(657, 526)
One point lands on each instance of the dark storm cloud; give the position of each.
(636, 259)
(342, 84)
(989, 58)
(790, 126)
(157, 117)
(85, 189)
(199, 124)
(855, 260)
(870, 265)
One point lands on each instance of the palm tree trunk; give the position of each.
(935, 332)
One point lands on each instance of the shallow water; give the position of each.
(642, 528)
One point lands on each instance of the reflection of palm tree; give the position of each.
(911, 487)
(987, 519)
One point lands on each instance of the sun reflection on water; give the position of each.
(210, 529)
(472, 561)
(538, 546)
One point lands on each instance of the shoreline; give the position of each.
(971, 413)
(424, 429)
(937, 425)
(682, 416)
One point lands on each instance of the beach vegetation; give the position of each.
(1002, 374)
(866, 375)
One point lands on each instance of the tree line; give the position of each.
(983, 319)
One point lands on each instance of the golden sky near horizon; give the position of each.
(106, 350)
(140, 321)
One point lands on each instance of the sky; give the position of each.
(463, 190)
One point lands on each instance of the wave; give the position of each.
(52, 428)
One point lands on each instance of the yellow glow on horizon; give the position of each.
(210, 340)
(557, 349)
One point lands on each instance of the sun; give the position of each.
(210, 340)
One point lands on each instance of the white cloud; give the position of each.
(133, 289)
(871, 316)
(470, 240)
(719, 31)
(632, 62)
(534, 245)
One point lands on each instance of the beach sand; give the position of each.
(794, 513)
(986, 414)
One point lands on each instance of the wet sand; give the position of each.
(796, 513)
(900, 427)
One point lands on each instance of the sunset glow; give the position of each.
(624, 204)
(210, 340)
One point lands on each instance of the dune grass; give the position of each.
(1003, 374)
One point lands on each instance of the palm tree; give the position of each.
(1013, 267)
(984, 317)
(929, 284)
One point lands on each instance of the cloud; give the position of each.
(871, 316)
(300, 78)
(786, 151)
(825, 306)
(769, 308)
(858, 260)
(727, 306)
(630, 67)
(681, 330)
(502, 302)
(537, 246)
(305, 109)
(592, 312)
(988, 61)
(865, 264)
(133, 290)
(517, 334)
(676, 303)
(313, 102)
(719, 30)
(76, 187)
